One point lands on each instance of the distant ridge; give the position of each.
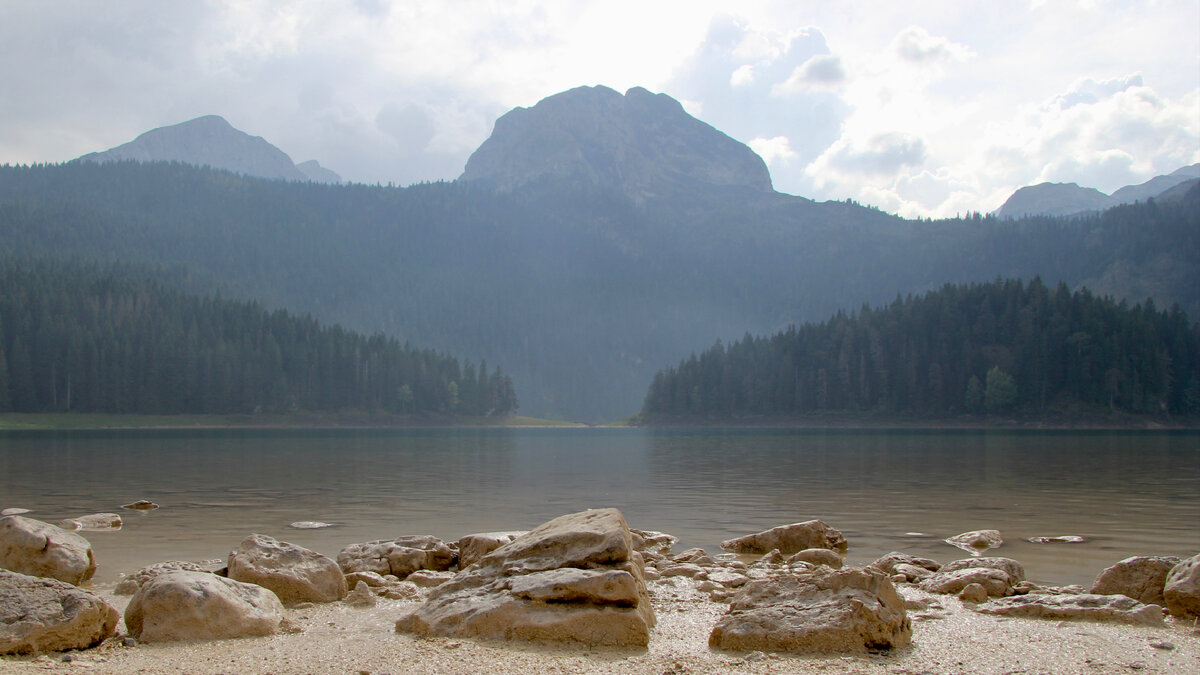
(1067, 199)
(641, 144)
(212, 141)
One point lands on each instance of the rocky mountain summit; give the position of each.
(1066, 199)
(639, 143)
(212, 141)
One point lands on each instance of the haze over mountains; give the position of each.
(1067, 199)
(211, 141)
(592, 239)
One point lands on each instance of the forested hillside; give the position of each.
(1000, 347)
(579, 292)
(118, 339)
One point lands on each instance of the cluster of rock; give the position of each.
(580, 578)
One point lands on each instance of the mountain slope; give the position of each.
(639, 144)
(207, 141)
(1054, 199)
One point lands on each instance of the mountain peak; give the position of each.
(640, 143)
(206, 141)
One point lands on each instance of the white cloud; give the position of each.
(820, 71)
(774, 151)
(743, 76)
(916, 45)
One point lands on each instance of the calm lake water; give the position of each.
(1127, 493)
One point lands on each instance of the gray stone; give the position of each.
(1139, 577)
(1009, 566)
(573, 579)
(997, 582)
(130, 584)
(789, 539)
(294, 573)
(201, 606)
(45, 615)
(1182, 589)
(400, 557)
(825, 611)
(1088, 606)
(39, 549)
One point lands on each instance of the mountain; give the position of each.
(1066, 199)
(1157, 185)
(211, 141)
(577, 280)
(1054, 199)
(640, 144)
(317, 173)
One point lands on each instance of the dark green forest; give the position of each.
(997, 348)
(113, 338)
(579, 292)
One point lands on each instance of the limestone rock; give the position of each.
(400, 557)
(15, 511)
(474, 546)
(141, 505)
(911, 573)
(1139, 577)
(888, 562)
(973, 593)
(573, 579)
(429, 578)
(94, 521)
(825, 611)
(39, 549)
(201, 606)
(361, 597)
(690, 570)
(294, 573)
(817, 556)
(1182, 589)
(656, 542)
(997, 582)
(977, 541)
(1009, 566)
(130, 584)
(1089, 606)
(309, 525)
(1061, 539)
(789, 539)
(45, 615)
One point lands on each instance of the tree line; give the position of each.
(999, 347)
(111, 338)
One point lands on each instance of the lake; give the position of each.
(1127, 493)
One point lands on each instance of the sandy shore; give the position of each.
(947, 638)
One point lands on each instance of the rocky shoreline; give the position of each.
(586, 593)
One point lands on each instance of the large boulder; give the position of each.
(40, 549)
(789, 539)
(474, 546)
(129, 584)
(294, 573)
(822, 611)
(1088, 606)
(1139, 577)
(400, 557)
(574, 579)
(201, 606)
(1182, 588)
(47, 615)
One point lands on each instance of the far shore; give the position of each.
(85, 422)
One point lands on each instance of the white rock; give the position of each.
(201, 606)
(997, 582)
(825, 611)
(817, 556)
(1061, 539)
(39, 549)
(1089, 606)
(789, 539)
(573, 579)
(129, 585)
(976, 541)
(1009, 566)
(362, 596)
(474, 546)
(400, 557)
(46, 615)
(1182, 588)
(888, 562)
(429, 578)
(294, 573)
(309, 525)
(1139, 577)
(15, 512)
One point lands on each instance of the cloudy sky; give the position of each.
(922, 108)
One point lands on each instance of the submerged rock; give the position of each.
(573, 579)
(1061, 539)
(47, 615)
(95, 521)
(824, 611)
(39, 549)
(977, 541)
(789, 539)
(309, 525)
(141, 505)
(201, 606)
